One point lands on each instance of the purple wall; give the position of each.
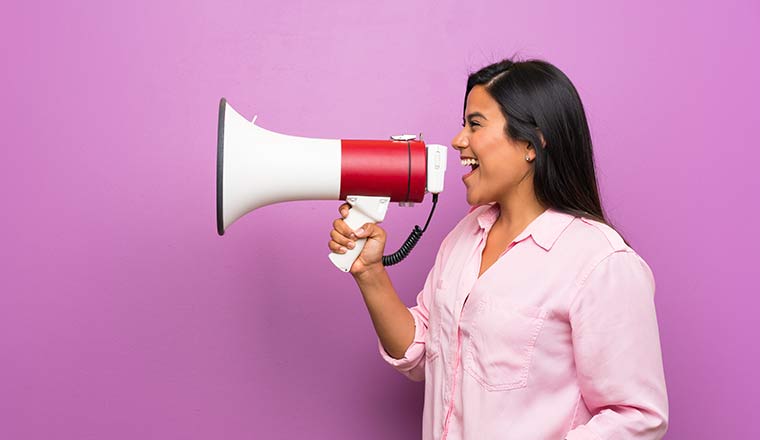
(124, 316)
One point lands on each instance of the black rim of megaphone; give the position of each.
(220, 168)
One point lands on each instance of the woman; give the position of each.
(537, 320)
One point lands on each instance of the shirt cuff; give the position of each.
(414, 353)
(582, 433)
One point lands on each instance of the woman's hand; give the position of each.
(343, 238)
(393, 322)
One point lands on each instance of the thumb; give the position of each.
(369, 230)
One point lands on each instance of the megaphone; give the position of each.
(368, 174)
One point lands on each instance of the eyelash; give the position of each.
(472, 123)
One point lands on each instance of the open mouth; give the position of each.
(472, 163)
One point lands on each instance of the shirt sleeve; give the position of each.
(412, 364)
(617, 352)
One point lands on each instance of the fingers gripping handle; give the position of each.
(364, 209)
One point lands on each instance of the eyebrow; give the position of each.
(476, 115)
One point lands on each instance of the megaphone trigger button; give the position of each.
(404, 137)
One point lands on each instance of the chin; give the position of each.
(474, 202)
(476, 199)
(470, 199)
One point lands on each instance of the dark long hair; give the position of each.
(537, 99)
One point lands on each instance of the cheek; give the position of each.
(498, 166)
(499, 177)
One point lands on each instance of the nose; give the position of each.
(460, 141)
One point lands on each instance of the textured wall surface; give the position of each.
(124, 316)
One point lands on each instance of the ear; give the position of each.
(528, 153)
(541, 136)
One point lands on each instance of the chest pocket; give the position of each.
(499, 350)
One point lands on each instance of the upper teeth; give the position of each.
(469, 162)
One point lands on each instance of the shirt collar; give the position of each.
(544, 229)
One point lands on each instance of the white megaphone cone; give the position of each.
(246, 178)
(367, 174)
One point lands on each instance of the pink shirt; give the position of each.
(558, 339)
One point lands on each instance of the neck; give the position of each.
(518, 209)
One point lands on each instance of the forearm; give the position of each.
(392, 320)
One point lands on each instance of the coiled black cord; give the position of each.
(411, 241)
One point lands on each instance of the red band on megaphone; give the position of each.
(394, 169)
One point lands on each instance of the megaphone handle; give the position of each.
(364, 209)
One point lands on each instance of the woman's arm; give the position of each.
(393, 322)
(617, 353)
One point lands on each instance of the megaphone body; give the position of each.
(368, 174)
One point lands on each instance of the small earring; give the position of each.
(527, 158)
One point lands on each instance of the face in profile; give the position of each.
(496, 164)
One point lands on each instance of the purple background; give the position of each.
(123, 315)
